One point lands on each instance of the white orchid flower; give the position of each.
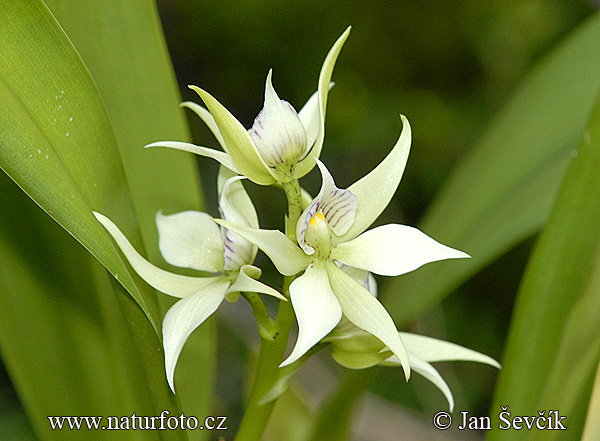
(281, 145)
(191, 239)
(354, 348)
(330, 231)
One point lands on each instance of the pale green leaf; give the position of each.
(554, 343)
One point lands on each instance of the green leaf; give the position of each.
(122, 45)
(119, 40)
(591, 429)
(62, 336)
(57, 143)
(503, 191)
(554, 342)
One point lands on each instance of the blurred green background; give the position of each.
(448, 66)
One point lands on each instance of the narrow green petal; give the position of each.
(365, 311)
(221, 157)
(308, 162)
(185, 316)
(208, 120)
(391, 250)
(431, 349)
(240, 146)
(286, 256)
(246, 283)
(375, 190)
(190, 239)
(317, 310)
(172, 284)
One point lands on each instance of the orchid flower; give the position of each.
(354, 348)
(190, 239)
(330, 231)
(281, 145)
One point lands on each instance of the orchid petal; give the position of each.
(238, 141)
(190, 239)
(234, 202)
(375, 190)
(286, 256)
(365, 311)
(365, 278)
(277, 132)
(338, 206)
(208, 120)
(174, 285)
(310, 117)
(235, 206)
(431, 349)
(221, 157)
(185, 316)
(245, 282)
(393, 249)
(317, 310)
(429, 372)
(308, 162)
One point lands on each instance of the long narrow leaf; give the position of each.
(554, 342)
(122, 45)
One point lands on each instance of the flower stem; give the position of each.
(265, 323)
(267, 373)
(272, 351)
(292, 191)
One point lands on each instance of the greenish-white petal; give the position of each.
(185, 316)
(277, 132)
(208, 120)
(174, 285)
(365, 311)
(432, 350)
(238, 141)
(221, 157)
(375, 190)
(235, 206)
(393, 249)
(285, 255)
(311, 118)
(317, 309)
(422, 367)
(190, 239)
(234, 203)
(365, 278)
(246, 282)
(308, 162)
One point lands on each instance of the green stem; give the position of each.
(265, 323)
(267, 373)
(272, 351)
(292, 191)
